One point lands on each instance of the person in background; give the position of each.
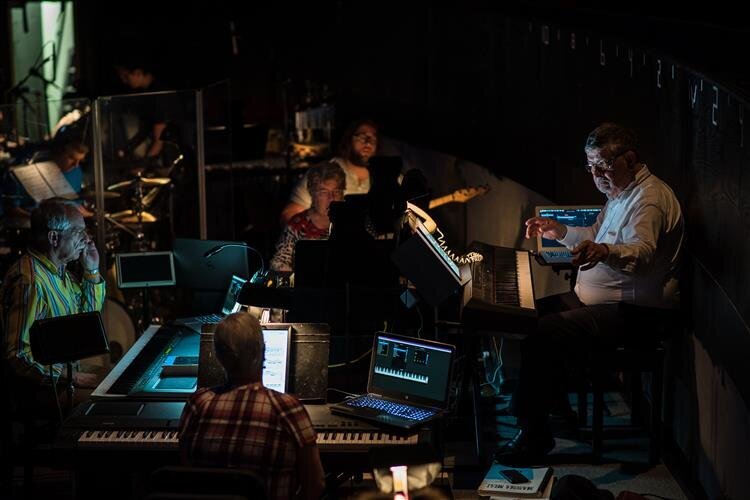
(325, 183)
(358, 144)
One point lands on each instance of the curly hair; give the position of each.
(325, 172)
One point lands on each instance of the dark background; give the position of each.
(504, 87)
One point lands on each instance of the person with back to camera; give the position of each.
(243, 424)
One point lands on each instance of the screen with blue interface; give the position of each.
(439, 250)
(411, 367)
(570, 216)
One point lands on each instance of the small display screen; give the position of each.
(139, 270)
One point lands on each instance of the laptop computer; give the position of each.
(276, 365)
(571, 215)
(229, 306)
(408, 382)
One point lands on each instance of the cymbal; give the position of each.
(91, 195)
(146, 181)
(131, 217)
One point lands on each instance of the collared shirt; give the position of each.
(300, 227)
(301, 196)
(250, 427)
(643, 228)
(34, 288)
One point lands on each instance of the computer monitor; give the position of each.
(197, 272)
(144, 269)
(275, 367)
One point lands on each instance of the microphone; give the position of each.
(218, 248)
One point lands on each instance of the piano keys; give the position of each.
(146, 434)
(500, 297)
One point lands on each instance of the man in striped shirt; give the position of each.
(38, 286)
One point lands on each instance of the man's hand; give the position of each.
(589, 253)
(90, 256)
(85, 380)
(548, 228)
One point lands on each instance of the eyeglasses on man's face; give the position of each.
(602, 166)
(365, 138)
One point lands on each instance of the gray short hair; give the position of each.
(325, 172)
(238, 342)
(613, 138)
(52, 214)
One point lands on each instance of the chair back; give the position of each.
(182, 480)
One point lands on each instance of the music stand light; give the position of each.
(66, 339)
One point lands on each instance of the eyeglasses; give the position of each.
(365, 138)
(603, 166)
(336, 193)
(77, 231)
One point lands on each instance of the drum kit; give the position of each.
(135, 215)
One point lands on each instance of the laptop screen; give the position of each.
(411, 369)
(231, 305)
(574, 216)
(275, 367)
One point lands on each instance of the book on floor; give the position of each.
(545, 495)
(496, 484)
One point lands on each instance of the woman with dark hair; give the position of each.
(325, 183)
(358, 144)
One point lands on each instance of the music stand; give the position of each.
(66, 339)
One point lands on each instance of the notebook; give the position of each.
(229, 306)
(275, 365)
(572, 215)
(408, 382)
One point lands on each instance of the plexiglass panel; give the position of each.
(148, 170)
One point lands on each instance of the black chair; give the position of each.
(641, 357)
(181, 482)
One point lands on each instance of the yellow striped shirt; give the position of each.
(35, 289)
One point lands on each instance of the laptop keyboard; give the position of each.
(395, 409)
(207, 319)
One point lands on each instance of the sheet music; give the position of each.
(56, 180)
(277, 355)
(43, 180)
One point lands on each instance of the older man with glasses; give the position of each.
(39, 286)
(358, 144)
(630, 255)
